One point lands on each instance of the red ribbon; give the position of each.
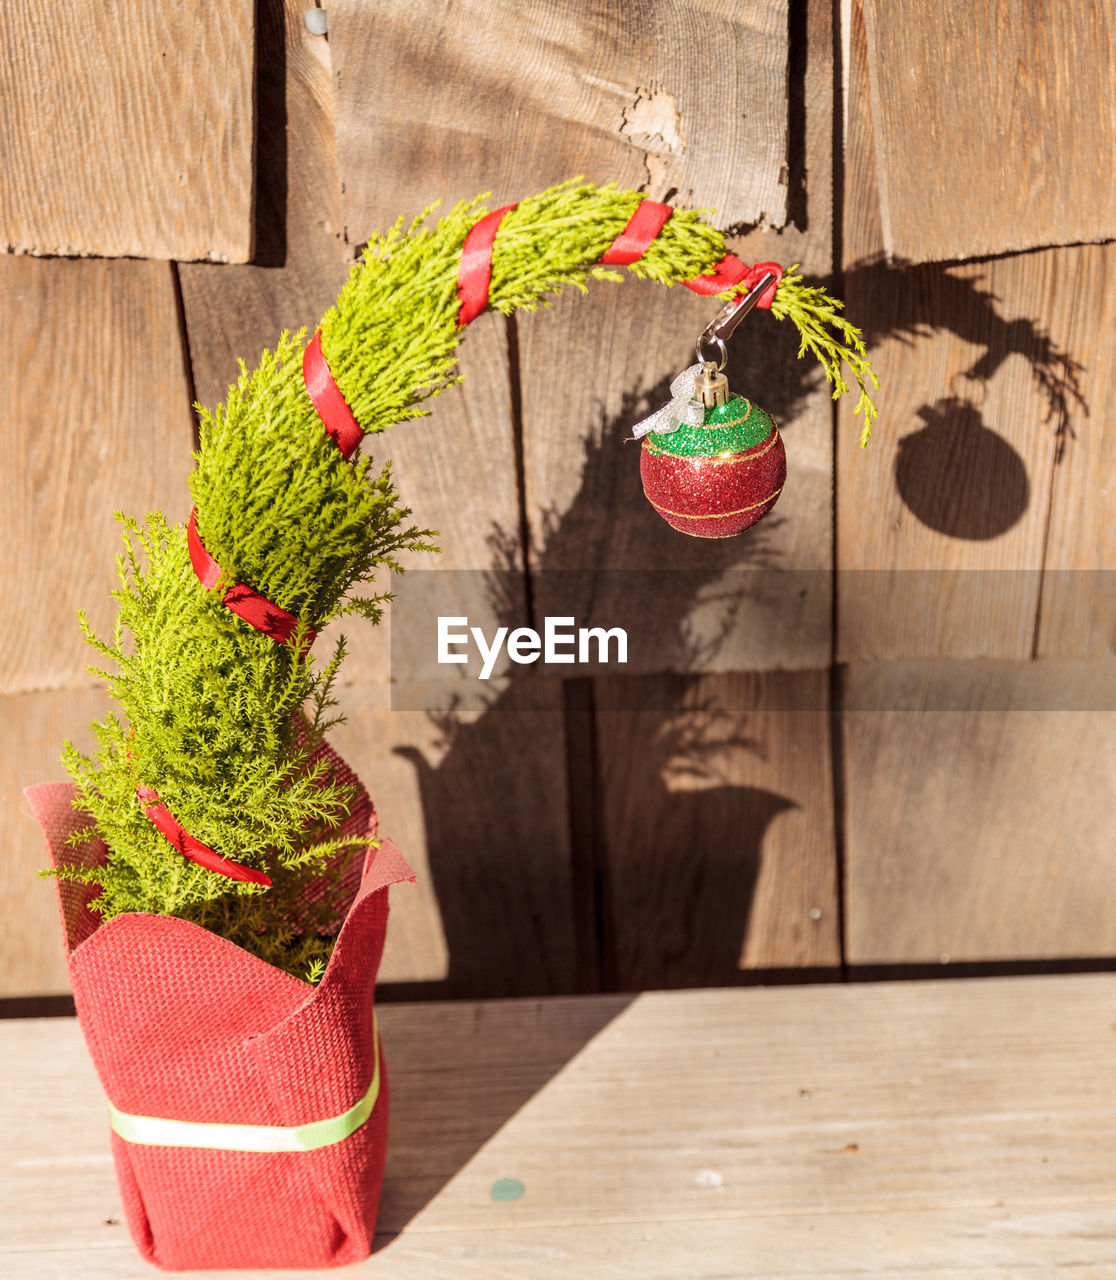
(337, 418)
(244, 601)
(755, 275)
(729, 271)
(475, 273)
(162, 818)
(645, 224)
(633, 242)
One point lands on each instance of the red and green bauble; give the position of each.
(718, 478)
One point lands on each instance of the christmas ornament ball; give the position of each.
(717, 479)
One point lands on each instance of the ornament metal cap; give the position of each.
(711, 387)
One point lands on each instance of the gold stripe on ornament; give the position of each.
(719, 515)
(714, 458)
(730, 422)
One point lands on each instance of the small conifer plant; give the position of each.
(216, 716)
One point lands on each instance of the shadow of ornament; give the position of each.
(960, 478)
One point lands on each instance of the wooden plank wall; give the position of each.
(997, 119)
(98, 421)
(878, 729)
(977, 796)
(128, 129)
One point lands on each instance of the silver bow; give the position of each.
(682, 408)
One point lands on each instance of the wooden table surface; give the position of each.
(919, 1129)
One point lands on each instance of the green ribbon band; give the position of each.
(153, 1131)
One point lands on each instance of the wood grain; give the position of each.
(1078, 607)
(956, 1130)
(32, 955)
(128, 129)
(979, 803)
(941, 521)
(301, 262)
(998, 120)
(861, 225)
(593, 365)
(717, 826)
(511, 97)
(98, 420)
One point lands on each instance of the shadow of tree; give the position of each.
(689, 838)
(482, 798)
(956, 474)
(504, 804)
(907, 301)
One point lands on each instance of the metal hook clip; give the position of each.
(723, 325)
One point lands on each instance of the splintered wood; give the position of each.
(510, 97)
(128, 129)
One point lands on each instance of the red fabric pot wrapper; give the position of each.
(185, 1026)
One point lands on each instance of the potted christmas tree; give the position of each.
(222, 884)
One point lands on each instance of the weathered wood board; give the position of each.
(97, 420)
(300, 259)
(1078, 607)
(476, 800)
(954, 1130)
(942, 520)
(717, 826)
(511, 97)
(591, 366)
(32, 956)
(128, 129)
(1000, 118)
(979, 799)
(861, 231)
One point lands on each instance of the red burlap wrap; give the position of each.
(184, 1025)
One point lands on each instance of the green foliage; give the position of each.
(826, 334)
(222, 721)
(392, 335)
